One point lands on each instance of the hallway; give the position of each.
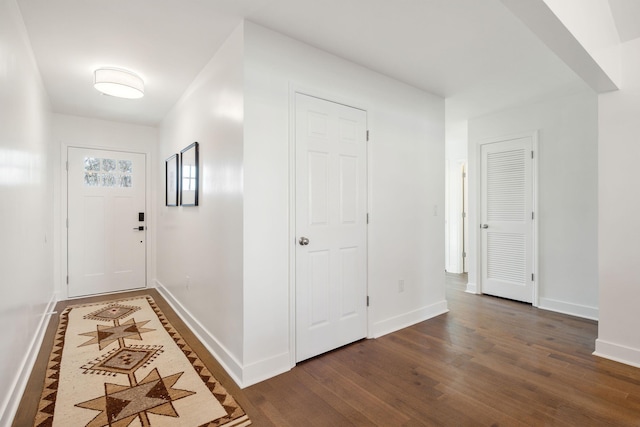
(488, 361)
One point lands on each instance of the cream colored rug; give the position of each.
(121, 363)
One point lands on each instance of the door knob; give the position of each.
(484, 226)
(141, 228)
(303, 241)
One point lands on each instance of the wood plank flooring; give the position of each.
(488, 362)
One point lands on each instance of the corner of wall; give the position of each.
(254, 373)
(228, 361)
(9, 407)
(472, 288)
(405, 320)
(569, 308)
(617, 353)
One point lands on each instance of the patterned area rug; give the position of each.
(121, 363)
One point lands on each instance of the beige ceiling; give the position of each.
(475, 53)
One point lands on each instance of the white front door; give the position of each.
(506, 219)
(106, 221)
(331, 225)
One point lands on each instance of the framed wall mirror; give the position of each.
(189, 174)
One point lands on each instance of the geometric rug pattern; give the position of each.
(121, 363)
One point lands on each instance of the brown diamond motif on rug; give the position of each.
(125, 360)
(112, 312)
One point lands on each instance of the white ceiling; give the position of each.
(473, 52)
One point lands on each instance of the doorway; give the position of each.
(465, 218)
(507, 218)
(106, 221)
(330, 225)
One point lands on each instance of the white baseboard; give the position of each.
(253, 373)
(617, 353)
(472, 288)
(219, 351)
(16, 389)
(393, 324)
(578, 310)
(454, 269)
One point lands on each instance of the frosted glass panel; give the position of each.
(108, 173)
(91, 164)
(125, 181)
(107, 180)
(91, 179)
(124, 166)
(108, 165)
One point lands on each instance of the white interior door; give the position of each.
(507, 219)
(106, 221)
(331, 225)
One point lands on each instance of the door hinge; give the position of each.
(464, 174)
(367, 300)
(67, 222)
(464, 254)
(66, 166)
(532, 154)
(464, 214)
(67, 280)
(533, 216)
(367, 218)
(367, 135)
(532, 277)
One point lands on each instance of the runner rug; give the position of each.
(121, 363)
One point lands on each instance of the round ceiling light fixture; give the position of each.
(117, 82)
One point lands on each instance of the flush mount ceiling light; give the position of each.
(120, 83)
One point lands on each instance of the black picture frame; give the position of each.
(172, 180)
(189, 175)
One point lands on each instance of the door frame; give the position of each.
(63, 290)
(330, 97)
(478, 206)
(464, 222)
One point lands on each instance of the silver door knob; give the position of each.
(303, 241)
(484, 226)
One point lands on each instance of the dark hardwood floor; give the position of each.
(487, 362)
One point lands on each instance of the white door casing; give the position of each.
(106, 241)
(331, 212)
(507, 218)
(464, 224)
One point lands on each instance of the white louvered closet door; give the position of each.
(506, 219)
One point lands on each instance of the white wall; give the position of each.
(74, 131)
(26, 222)
(406, 170)
(567, 195)
(619, 204)
(205, 242)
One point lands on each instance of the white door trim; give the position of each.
(478, 206)
(316, 93)
(63, 290)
